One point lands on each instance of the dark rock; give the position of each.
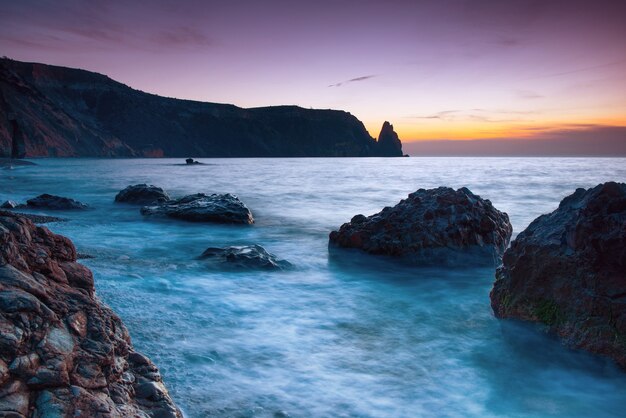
(51, 202)
(142, 194)
(220, 208)
(191, 161)
(9, 204)
(389, 145)
(246, 257)
(38, 219)
(62, 352)
(432, 227)
(567, 270)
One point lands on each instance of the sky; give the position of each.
(440, 69)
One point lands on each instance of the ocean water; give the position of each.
(338, 336)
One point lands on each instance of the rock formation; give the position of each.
(389, 145)
(567, 270)
(245, 257)
(142, 194)
(432, 227)
(52, 202)
(69, 112)
(62, 352)
(219, 208)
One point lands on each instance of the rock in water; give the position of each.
(246, 257)
(51, 202)
(220, 208)
(432, 227)
(567, 270)
(389, 144)
(142, 194)
(62, 352)
(9, 204)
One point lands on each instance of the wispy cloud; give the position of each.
(528, 94)
(354, 80)
(477, 114)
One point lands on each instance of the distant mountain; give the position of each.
(55, 111)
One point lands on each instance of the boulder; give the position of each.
(219, 208)
(245, 257)
(432, 227)
(567, 270)
(142, 194)
(52, 202)
(62, 351)
(9, 204)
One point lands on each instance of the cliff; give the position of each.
(63, 353)
(55, 111)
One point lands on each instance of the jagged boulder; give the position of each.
(567, 270)
(219, 208)
(432, 227)
(244, 257)
(142, 194)
(62, 352)
(52, 202)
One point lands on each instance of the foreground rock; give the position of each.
(567, 270)
(220, 208)
(52, 202)
(62, 352)
(245, 257)
(142, 194)
(432, 227)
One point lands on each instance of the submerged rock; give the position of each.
(52, 202)
(432, 227)
(62, 352)
(142, 194)
(567, 270)
(220, 208)
(247, 257)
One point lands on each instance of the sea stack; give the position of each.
(389, 145)
(567, 270)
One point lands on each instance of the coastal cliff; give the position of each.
(50, 111)
(63, 352)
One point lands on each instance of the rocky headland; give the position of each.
(567, 270)
(63, 353)
(432, 227)
(55, 111)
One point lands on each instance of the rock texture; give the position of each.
(142, 194)
(432, 227)
(54, 111)
(567, 270)
(52, 202)
(245, 257)
(62, 352)
(389, 145)
(219, 208)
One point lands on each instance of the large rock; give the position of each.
(142, 194)
(567, 270)
(389, 144)
(432, 227)
(62, 352)
(220, 208)
(52, 202)
(245, 257)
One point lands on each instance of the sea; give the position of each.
(340, 334)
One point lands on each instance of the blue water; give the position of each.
(335, 337)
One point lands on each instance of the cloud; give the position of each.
(476, 114)
(528, 94)
(354, 80)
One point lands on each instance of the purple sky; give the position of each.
(436, 69)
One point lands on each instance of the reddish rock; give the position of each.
(63, 352)
(567, 270)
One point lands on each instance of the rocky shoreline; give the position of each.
(62, 351)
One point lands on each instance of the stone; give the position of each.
(389, 145)
(52, 202)
(244, 257)
(219, 208)
(567, 271)
(63, 353)
(432, 227)
(9, 204)
(142, 194)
